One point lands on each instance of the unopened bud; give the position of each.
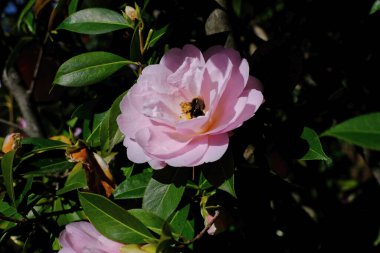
(130, 12)
(11, 142)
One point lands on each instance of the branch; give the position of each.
(12, 81)
(198, 236)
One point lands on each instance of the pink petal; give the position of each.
(217, 146)
(175, 57)
(161, 142)
(156, 164)
(134, 152)
(191, 154)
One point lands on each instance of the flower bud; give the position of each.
(11, 142)
(130, 12)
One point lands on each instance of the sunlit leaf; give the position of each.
(88, 68)
(375, 7)
(362, 130)
(149, 219)
(162, 199)
(133, 187)
(178, 221)
(112, 220)
(94, 21)
(315, 151)
(75, 180)
(110, 134)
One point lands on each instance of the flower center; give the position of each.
(193, 109)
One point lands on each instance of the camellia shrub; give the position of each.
(176, 126)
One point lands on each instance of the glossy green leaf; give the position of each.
(315, 151)
(229, 186)
(112, 220)
(88, 68)
(110, 134)
(7, 171)
(178, 221)
(203, 183)
(149, 219)
(46, 166)
(41, 144)
(363, 130)
(133, 187)
(157, 35)
(94, 138)
(188, 230)
(162, 199)
(75, 180)
(94, 21)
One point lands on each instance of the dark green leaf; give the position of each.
(27, 187)
(362, 130)
(73, 6)
(94, 138)
(75, 180)
(46, 166)
(149, 219)
(188, 230)
(133, 187)
(315, 148)
(113, 221)
(220, 173)
(229, 186)
(127, 171)
(41, 144)
(134, 49)
(162, 199)
(178, 221)
(110, 134)
(94, 21)
(88, 68)
(7, 170)
(203, 183)
(157, 35)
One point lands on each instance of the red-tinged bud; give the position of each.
(11, 142)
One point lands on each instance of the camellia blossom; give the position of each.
(180, 111)
(83, 237)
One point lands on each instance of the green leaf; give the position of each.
(110, 134)
(188, 230)
(112, 220)
(94, 21)
(220, 173)
(8, 211)
(162, 199)
(315, 151)
(27, 187)
(133, 187)
(203, 183)
(41, 144)
(375, 7)
(229, 186)
(362, 130)
(73, 6)
(75, 180)
(46, 166)
(127, 171)
(157, 35)
(7, 170)
(88, 68)
(149, 219)
(178, 221)
(94, 138)
(134, 48)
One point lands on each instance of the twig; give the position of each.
(2, 217)
(200, 234)
(11, 124)
(12, 81)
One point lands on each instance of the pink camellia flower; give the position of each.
(79, 237)
(180, 111)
